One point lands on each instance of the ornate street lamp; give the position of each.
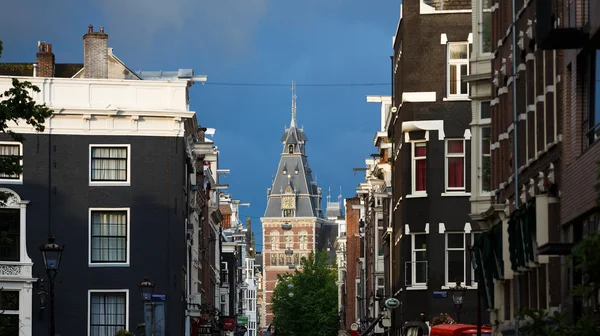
(146, 291)
(52, 255)
(458, 294)
(289, 251)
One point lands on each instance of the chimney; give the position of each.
(95, 54)
(45, 60)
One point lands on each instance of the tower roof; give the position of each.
(294, 175)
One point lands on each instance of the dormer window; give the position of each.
(291, 149)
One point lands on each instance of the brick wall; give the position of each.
(45, 60)
(353, 253)
(579, 161)
(95, 55)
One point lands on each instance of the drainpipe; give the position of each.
(35, 69)
(515, 142)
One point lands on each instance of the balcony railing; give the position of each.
(562, 24)
(14, 270)
(416, 273)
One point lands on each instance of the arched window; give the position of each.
(291, 149)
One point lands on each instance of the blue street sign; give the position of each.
(440, 294)
(159, 297)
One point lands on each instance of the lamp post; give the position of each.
(458, 294)
(474, 264)
(146, 291)
(52, 254)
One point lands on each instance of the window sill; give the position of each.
(108, 264)
(420, 195)
(457, 98)
(109, 184)
(455, 194)
(13, 182)
(423, 287)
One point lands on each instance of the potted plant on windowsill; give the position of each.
(124, 332)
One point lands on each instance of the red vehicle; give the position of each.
(459, 330)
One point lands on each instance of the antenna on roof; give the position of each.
(293, 123)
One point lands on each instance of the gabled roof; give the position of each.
(294, 170)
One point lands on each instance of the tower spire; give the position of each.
(293, 123)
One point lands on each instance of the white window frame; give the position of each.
(126, 183)
(357, 303)
(109, 264)
(303, 244)
(413, 259)
(450, 282)
(481, 11)
(106, 291)
(446, 168)
(15, 180)
(274, 243)
(414, 160)
(288, 235)
(457, 62)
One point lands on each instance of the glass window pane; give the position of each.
(453, 75)
(486, 26)
(485, 111)
(421, 272)
(456, 240)
(459, 51)
(420, 150)
(456, 266)
(464, 71)
(455, 146)
(420, 241)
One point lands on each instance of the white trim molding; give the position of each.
(125, 183)
(19, 180)
(425, 125)
(128, 247)
(106, 291)
(17, 275)
(419, 97)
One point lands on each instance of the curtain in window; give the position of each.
(421, 168)
(421, 174)
(109, 236)
(109, 164)
(107, 314)
(456, 164)
(9, 150)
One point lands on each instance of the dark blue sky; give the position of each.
(242, 41)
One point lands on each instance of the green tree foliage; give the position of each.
(312, 309)
(16, 105)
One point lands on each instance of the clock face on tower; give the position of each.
(288, 202)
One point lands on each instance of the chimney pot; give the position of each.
(45, 61)
(90, 29)
(95, 54)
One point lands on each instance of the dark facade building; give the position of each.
(431, 135)
(573, 32)
(114, 177)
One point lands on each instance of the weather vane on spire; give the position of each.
(293, 123)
